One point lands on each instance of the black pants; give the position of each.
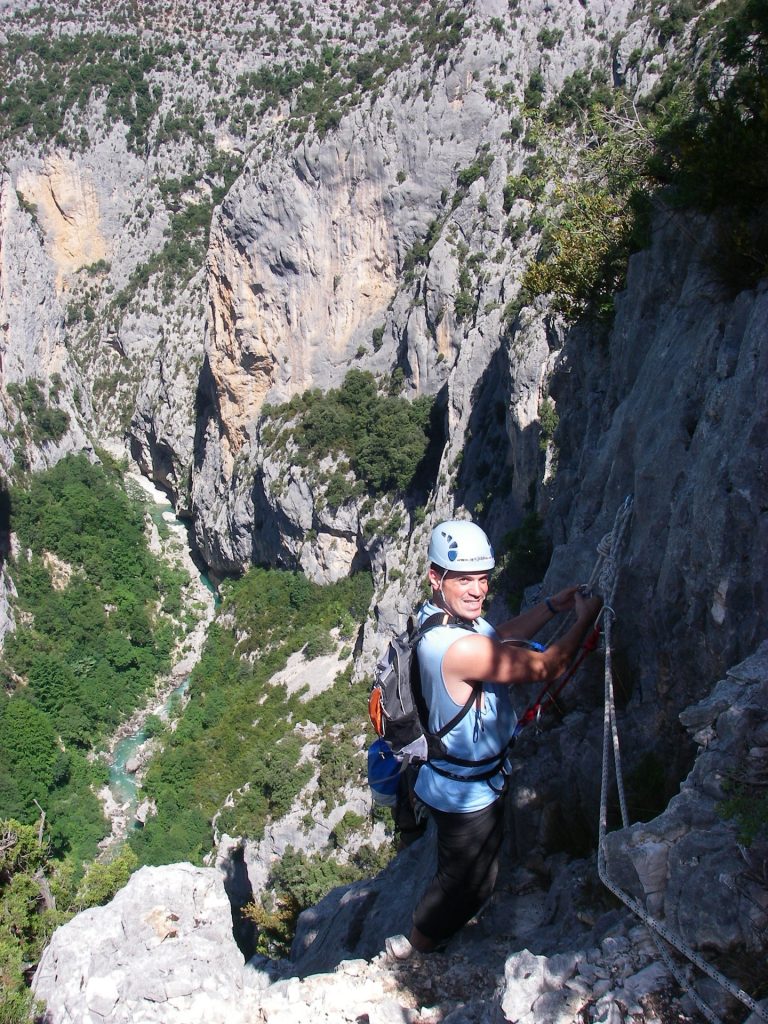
(408, 826)
(468, 847)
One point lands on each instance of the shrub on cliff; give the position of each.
(698, 140)
(383, 437)
(589, 246)
(43, 421)
(49, 76)
(711, 138)
(37, 894)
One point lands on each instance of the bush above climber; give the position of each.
(463, 791)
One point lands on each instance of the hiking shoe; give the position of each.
(398, 947)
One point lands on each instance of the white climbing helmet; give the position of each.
(460, 545)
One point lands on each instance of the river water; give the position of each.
(170, 541)
(122, 783)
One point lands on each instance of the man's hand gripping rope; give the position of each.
(548, 696)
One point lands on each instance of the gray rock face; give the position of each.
(162, 428)
(33, 349)
(672, 411)
(353, 923)
(162, 951)
(101, 219)
(93, 234)
(306, 260)
(33, 354)
(667, 406)
(7, 591)
(691, 849)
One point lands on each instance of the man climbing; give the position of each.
(463, 794)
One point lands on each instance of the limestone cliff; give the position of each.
(44, 402)
(67, 206)
(314, 251)
(671, 410)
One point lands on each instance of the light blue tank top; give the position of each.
(477, 736)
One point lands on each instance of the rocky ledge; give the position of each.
(163, 949)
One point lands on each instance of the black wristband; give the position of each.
(548, 603)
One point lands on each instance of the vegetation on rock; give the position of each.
(695, 141)
(379, 441)
(93, 633)
(239, 728)
(39, 421)
(37, 894)
(711, 134)
(53, 76)
(298, 881)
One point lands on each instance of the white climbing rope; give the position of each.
(606, 571)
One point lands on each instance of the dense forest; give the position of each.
(97, 623)
(97, 619)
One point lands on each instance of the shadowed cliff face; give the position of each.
(671, 410)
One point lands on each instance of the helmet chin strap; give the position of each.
(443, 600)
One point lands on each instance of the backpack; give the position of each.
(396, 707)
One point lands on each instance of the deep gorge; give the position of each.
(329, 275)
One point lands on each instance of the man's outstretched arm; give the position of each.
(529, 622)
(485, 658)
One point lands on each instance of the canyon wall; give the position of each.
(390, 242)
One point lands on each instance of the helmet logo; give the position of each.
(453, 552)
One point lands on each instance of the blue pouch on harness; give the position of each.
(383, 773)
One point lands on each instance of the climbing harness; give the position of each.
(609, 550)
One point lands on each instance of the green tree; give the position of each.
(25, 922)
(28, 747)
(709, 142)
(103, 880)
(384, 438)
(589, 245)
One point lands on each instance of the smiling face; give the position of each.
(461, 593)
